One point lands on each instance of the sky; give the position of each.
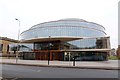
(119, 23)
(32, 12)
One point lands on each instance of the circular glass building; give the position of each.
(68, 38)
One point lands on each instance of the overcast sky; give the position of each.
(32, 12)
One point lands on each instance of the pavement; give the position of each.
(107, 65)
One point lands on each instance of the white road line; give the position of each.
(14, 78)
(38, 70)
(35, 70)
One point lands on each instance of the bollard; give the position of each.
(48, 57)
(74, 61)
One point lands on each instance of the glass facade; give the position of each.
(68, 28)
(75, 31)
(54, 45)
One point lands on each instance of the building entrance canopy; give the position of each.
(62, 39)
(47, 39)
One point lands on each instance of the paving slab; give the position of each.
(110, 64)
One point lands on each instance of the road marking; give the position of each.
(0, 78)
(14, 78)
(35, 70)
(38, 70)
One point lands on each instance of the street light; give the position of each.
(18, 40)
(49, 46)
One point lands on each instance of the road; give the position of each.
(19, 71)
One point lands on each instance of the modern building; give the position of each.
(5, 44)
(66, 39)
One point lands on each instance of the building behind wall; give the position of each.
(64, 39)
(113, 52)
(118, 51)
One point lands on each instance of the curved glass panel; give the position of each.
(70, 23)
(96, 43)
(61, 31)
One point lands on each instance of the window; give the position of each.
(1, 47)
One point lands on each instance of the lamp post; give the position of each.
(18, 40)
(49, 51)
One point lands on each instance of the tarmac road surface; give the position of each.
(19, 71)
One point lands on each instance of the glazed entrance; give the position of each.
(51, 55)
(51, 50)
